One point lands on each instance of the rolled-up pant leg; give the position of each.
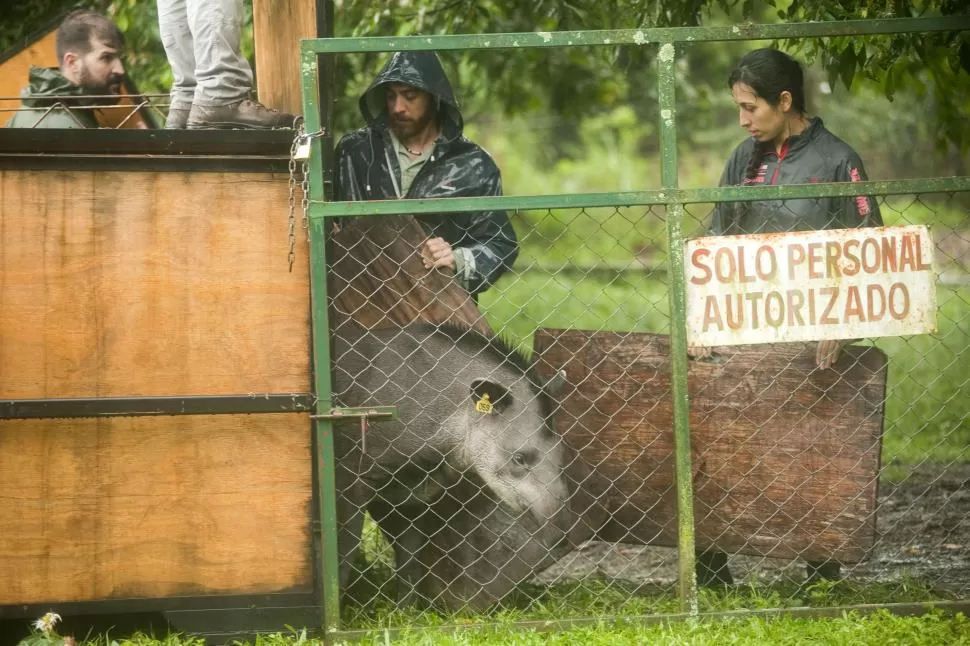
(173, 25)
(222, 73)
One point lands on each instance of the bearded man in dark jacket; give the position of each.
(413, 147)
(90, 72)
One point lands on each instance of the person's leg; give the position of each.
(224, 79)
(173, 25)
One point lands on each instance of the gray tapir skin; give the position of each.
(455, 486)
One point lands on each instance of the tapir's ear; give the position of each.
(489, 396)
(553, 387)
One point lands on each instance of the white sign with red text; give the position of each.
(810, 285)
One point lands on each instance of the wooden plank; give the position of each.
(377, 278)
(785, 456)
(126, 284)
(153, 507)
(278, 27)
(268, 144)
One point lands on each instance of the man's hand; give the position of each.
(437, 253)
(827, 353)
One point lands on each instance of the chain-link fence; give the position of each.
(525, 448)
(802, 477)
(116, 111)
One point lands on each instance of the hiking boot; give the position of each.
(177, 118)
(242, 114)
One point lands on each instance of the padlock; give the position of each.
(302, 149)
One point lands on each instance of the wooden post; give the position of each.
(278, 26)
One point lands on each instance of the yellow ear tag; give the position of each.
(483, 405)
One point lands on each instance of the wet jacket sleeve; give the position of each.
(725, 215)
(860, 211)
(488, 237)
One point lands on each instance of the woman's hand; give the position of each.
(827, 352)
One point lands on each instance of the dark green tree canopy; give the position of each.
(576, 82)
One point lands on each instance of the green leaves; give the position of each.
(582, 82)
(845, 66)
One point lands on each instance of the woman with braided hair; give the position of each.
(785, 147)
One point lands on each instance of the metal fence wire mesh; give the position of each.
(107, 111)
(494, 485)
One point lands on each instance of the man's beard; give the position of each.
(111, 86)
(405, 129)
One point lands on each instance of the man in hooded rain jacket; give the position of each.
(413, 147)
(89, 50)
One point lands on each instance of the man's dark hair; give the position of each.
(78, 28)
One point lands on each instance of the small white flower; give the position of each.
(46, 623)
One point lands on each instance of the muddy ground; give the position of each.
(923, 533)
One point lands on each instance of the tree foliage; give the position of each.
(576, 82)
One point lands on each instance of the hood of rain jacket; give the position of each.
(812, 157)
(48, 87)
(368, 169)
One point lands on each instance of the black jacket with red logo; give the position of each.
(814, 156)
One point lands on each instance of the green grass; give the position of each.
(594, 597)
(879, 628)
(927, 407)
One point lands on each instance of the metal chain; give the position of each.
(299, 164)
(305, 201)
(291, 213)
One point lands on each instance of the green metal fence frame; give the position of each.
(670, 196)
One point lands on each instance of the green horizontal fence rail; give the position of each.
(665, 197)
(656, 35)
(670, 196)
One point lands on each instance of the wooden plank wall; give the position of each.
(141, 283)
(785, 457)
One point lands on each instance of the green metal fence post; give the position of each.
(666, 60)
(325, 462)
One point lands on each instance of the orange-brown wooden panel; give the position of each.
(141, 283)
(785, 457)
(154, 506)
(278, 26)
